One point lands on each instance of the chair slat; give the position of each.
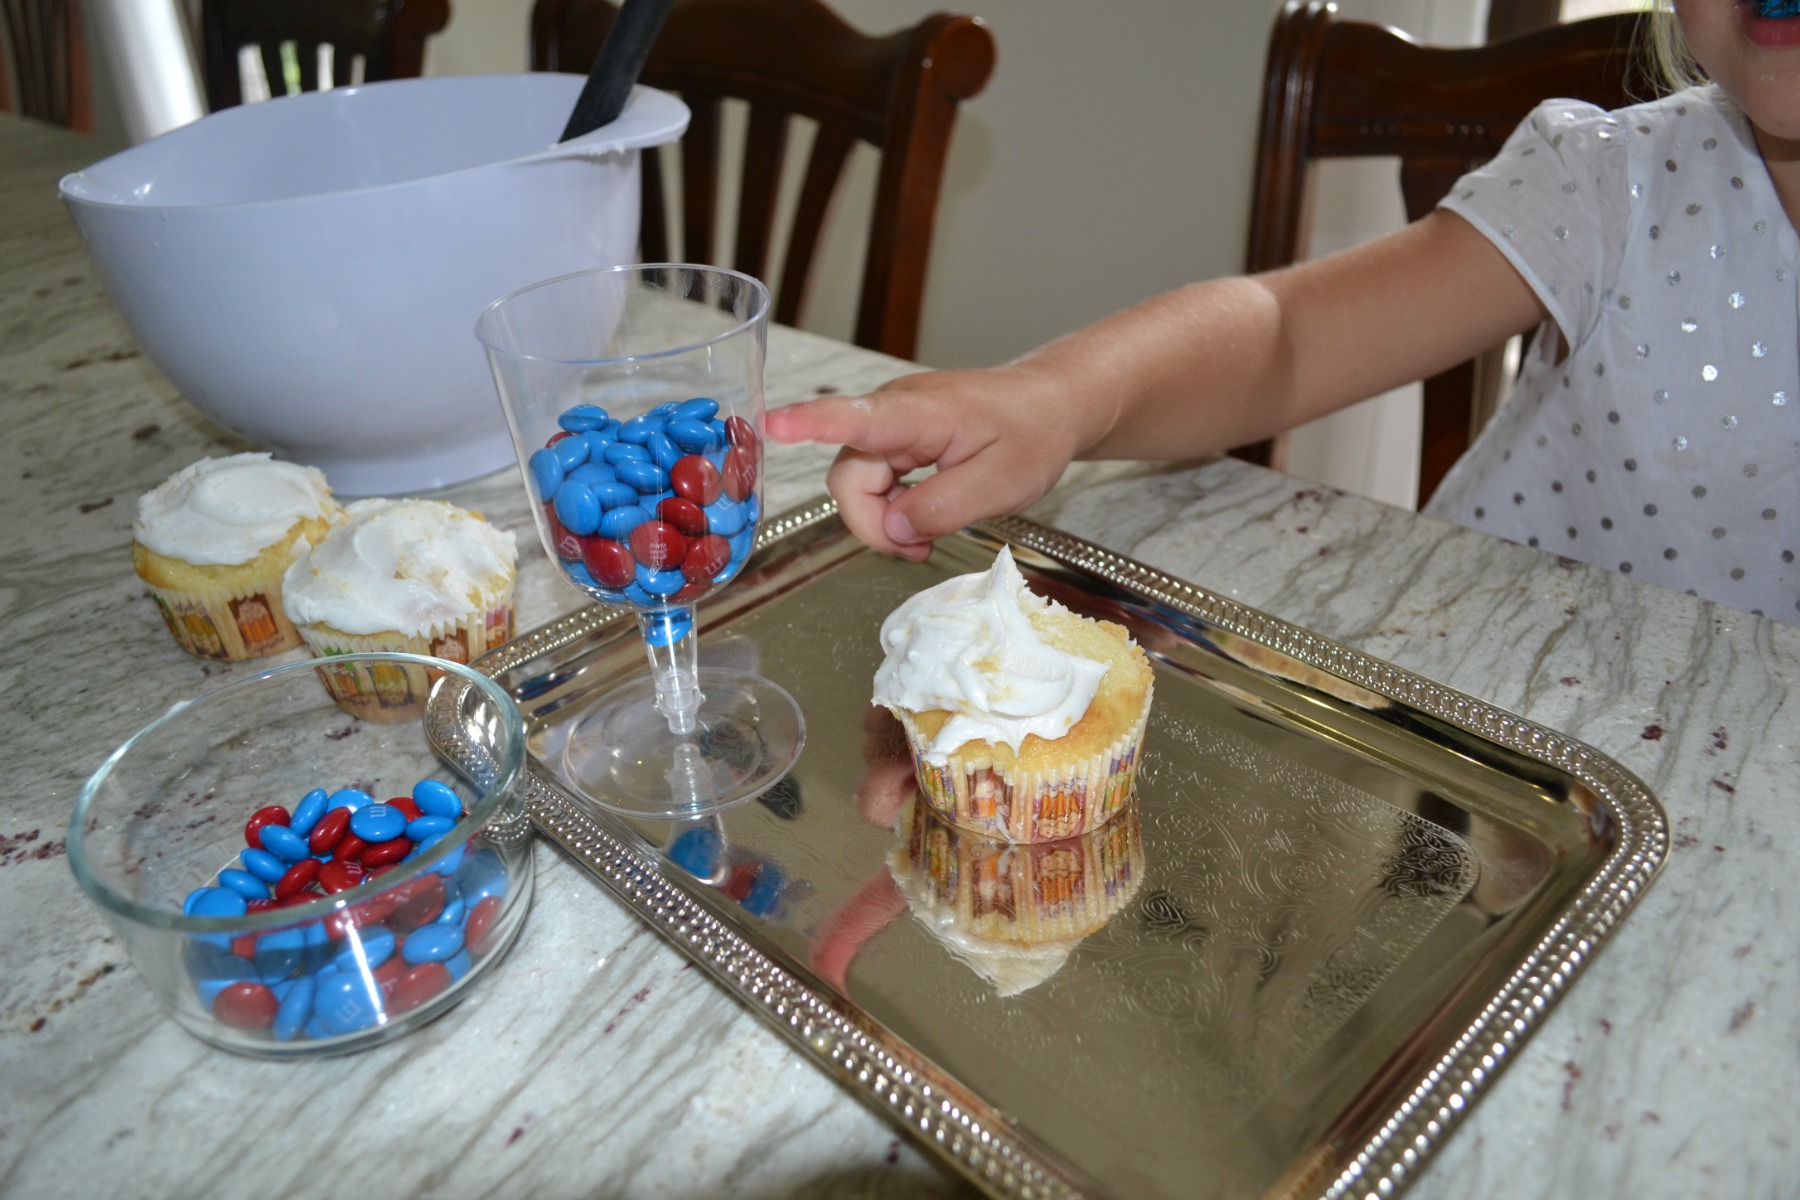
(898, 93)
(765, 148)
(824, 168)
(700, 151)
(44, 71)
(387, 37)
(654, 234)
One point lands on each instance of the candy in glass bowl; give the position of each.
(292, 880)
(635, 400)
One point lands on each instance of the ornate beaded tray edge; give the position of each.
(962, 1129)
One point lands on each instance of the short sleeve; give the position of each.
(1555, 201)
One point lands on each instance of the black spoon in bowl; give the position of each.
(616, 68)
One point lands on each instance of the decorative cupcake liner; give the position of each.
(1021, 893)
(389, 692)
(228, 623)
(971, 790)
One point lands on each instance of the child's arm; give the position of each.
(1191, 372)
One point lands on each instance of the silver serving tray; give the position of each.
(1347, 894)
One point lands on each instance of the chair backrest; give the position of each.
(791, 59)
(1347, 89)
(44, 63)
(387, 36)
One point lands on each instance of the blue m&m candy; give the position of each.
(700, 408)
(307, 813)
(582, 418)
(546, 471)
(378, 823)
(437, 799)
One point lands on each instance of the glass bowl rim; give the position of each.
(509, 770)
(759, 316)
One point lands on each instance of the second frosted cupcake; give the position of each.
(419, 576)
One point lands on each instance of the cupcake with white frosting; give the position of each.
(418, 576)
(1026, 720)
(211, 544)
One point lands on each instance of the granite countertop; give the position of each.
(595, 1061)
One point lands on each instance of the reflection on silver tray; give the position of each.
(1350, 893)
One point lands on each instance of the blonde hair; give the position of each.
(1672, 63)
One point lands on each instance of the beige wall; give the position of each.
(1108, 158)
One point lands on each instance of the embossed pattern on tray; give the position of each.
(1357, 891)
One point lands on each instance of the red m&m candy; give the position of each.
(297, 878)
(739, 473)
(695, 478)
(566, 544)
(274, 814)
(329, 831)
(706, 558)
(340, 875)
(383, 854)
(480, 924)
(248, 1006)
(609, 562)
(420, 984)
(740, 433)
(684, 515)
(658, 545)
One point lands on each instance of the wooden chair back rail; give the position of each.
(389, 35)
(44, 69)
(788, 60)
(1347, 89)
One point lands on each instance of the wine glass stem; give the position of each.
(674, 650)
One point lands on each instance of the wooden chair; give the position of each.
(797, 59)
(44, 67)
(293, 37)
(1346, 89)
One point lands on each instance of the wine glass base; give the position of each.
(622, 755)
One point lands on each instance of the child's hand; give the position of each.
(999, 438)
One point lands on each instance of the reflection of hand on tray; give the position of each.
(846, 931)
(888, 781)
(887, 784)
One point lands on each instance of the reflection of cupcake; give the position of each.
(211, 543)
(1025, 719)
(1015, 912)
(419, 576)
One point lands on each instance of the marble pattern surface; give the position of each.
(596, 1061)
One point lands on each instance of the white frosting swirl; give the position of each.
(968, 647)
(408, 566)
(226, 511)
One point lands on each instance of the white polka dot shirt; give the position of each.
(1666, 445)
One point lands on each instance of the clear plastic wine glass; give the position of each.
(635, 399)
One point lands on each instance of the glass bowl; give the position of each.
(258, 851)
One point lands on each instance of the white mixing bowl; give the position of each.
(308, 271)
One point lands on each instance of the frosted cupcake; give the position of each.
(1015, 912)
(212, 541)
(1025, 720)
(420, 576)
